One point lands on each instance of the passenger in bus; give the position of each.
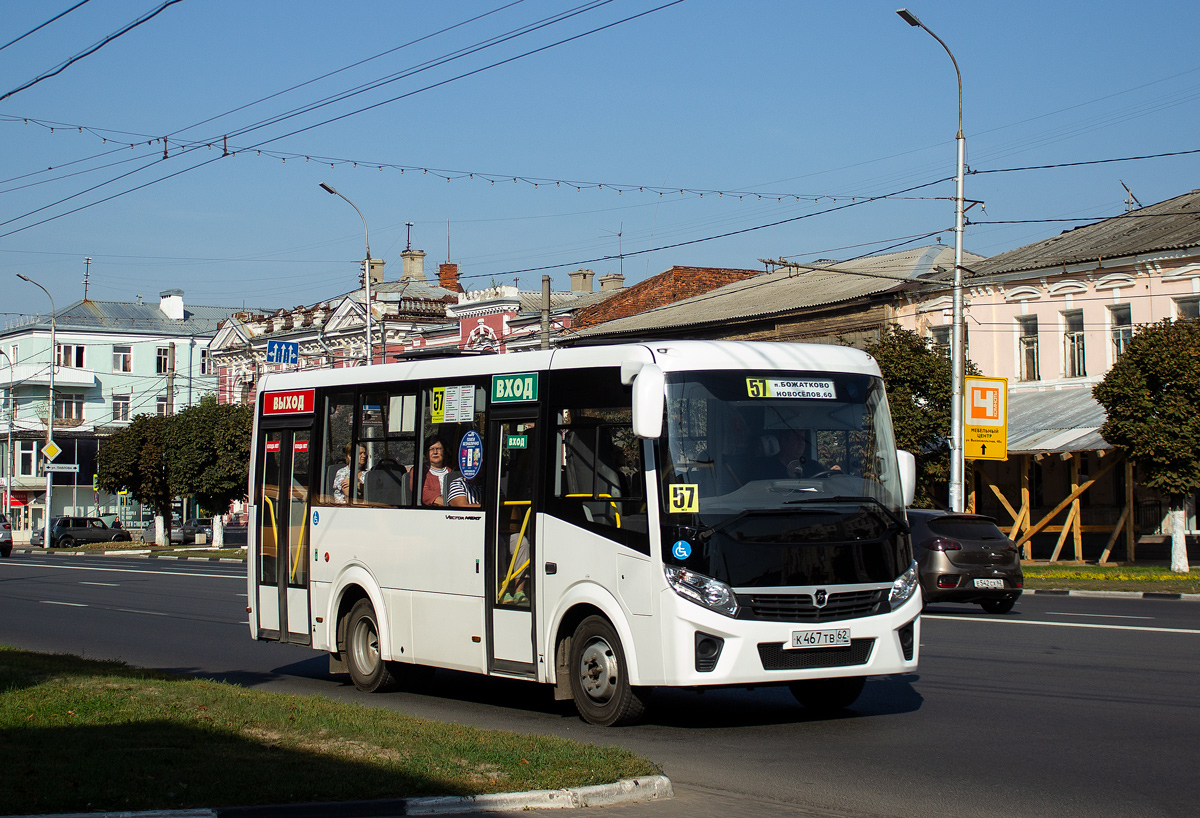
(341, 480)
(463, 493)
(435, 483)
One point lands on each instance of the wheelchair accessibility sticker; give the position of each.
(682, 550)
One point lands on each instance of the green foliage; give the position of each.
(202, 452)
(134, 460)
(918, 383)
(1152, 399)
(209, 452)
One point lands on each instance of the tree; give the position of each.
(918, 383)
(134, 460)
(209, 452)
(1151, 397)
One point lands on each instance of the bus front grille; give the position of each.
(774, 657)
(800, 607)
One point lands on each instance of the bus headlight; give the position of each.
(904, 586)
(702, 590)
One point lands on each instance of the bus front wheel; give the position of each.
(600, 676)
(368, 670)
(828, 695)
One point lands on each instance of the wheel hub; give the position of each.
(598, 670)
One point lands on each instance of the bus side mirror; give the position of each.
(648, 401)
(908, 475)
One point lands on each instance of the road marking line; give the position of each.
(39, 566)
(70, 604)
(1101, 616)
(105, 584)
(1097, 626)
(150, 613)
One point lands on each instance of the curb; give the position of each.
(629, 790)
(1115, 594)
(128, 552)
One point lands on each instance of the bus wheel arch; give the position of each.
(599, 677)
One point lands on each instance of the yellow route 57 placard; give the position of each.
(985, 418)
(684, 499)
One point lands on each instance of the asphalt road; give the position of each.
(1065, 707)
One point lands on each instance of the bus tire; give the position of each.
(828, 695)
(369, 672)
(600, 676)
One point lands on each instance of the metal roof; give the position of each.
(1170, 225)
(791, 288)
(1062, 420)
(132, 317)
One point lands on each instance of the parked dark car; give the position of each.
(67, 532)
(965, 558)
(196, 525)
(5, 537)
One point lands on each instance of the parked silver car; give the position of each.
(965, 558)
(5, 537)
(176, 532)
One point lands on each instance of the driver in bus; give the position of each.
(787, 452)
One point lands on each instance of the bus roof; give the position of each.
(671, 356)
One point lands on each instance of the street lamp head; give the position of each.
(23, 278)
(910, 18)
(329, 189)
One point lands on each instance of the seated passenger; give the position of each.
(787, 457)
(435, 483)
(463, 493)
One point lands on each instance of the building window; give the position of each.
(69, 355)
(161, 405)
(1187, 307)
(940, 336)
(68, 406)
(1027, 347)
(122, 359)
(26, 458)
(1121, 320)
(162, 360)
(120, 406)
(1075, 364)
(247, 392)
(204, 362)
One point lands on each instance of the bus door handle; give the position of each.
(551, 568)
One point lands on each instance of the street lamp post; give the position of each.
(49, 410)
(366, 265)
(957, 352)
(8, 456)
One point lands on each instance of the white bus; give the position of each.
(602, 519)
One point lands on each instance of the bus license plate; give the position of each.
(989, 583)
(820, 639)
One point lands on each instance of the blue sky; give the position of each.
(813, 105)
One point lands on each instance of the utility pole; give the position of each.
(87, 273)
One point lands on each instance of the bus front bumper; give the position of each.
(703, 648)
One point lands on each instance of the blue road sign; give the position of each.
(283, 352)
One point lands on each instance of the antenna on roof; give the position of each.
(408, 246)
(620, 249)
(1130, 200)
(87, 269)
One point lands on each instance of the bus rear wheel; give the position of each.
(600, 676)
(828, 695)
(369, 672)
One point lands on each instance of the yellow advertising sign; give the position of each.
(985, 418)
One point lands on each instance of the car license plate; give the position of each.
(989, 583)
(820, 639)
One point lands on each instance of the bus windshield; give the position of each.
(761, 470)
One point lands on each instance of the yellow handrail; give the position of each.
(611, 502)
(300, 545)
(513, 570)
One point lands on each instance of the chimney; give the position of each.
(376, 270)
(414, 265)
(581, 281)
(448, 277)
(171, 304)
(610, 282)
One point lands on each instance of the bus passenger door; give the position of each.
(282, 536)
(512, 546)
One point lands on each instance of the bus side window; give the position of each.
(337, 430)
(600, 479)
(388, 431)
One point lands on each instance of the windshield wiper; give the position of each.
(900, 522)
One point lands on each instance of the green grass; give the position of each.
(80, 735)
(1110, 578)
